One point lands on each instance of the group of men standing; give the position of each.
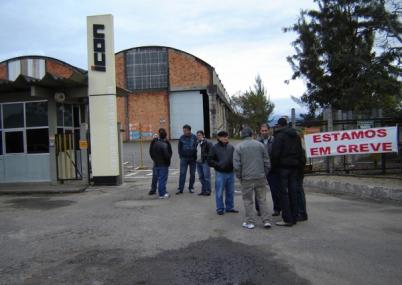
(276, 157)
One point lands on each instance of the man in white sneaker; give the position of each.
(251, 164)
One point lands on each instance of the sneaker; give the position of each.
(164, 196)
(191, 191)
(232, 211)
(220, 213)
(267, 225)
(151, 192)
(283, 224)
(249, 226)
(179, 192)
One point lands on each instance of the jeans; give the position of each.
(256, 188)
(288, 194)
(154, 180)
(301, 197)
(204, 174)
(274, 186)
(184, 163)
(224, 181)
(162, 173)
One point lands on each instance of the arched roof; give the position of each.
(171, 48)
(77, 69)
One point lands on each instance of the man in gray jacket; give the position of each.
(251, 164)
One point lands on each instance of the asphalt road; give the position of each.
(120, 235)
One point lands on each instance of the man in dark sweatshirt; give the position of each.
(220, 157)
(287, 155)
(161, 154)
(188, 155)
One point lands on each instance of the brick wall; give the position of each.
(120, 70)
(58, 69)
(185, 71)
(3, 71)
(150, 109)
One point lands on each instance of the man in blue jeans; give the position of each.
(188, 154)
(204, 173)
(161, 154)
(220, 157)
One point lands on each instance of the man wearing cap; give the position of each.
(251, 164)
(287, 155)
(220, 157)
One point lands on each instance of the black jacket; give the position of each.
(205, 148)
(287, 150)
(220, 157)
(160, 152)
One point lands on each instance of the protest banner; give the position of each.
(362, 141)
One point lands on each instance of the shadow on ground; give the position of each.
(214, 261)
(38, 203)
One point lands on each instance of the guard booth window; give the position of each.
(24, 127)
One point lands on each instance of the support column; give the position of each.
(212, 93)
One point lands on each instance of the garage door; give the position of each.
(185, 108)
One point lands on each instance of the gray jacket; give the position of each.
(251, 160)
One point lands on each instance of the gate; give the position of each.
(68, 157)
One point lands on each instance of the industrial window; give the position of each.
(38, 140)
(36, 114)
(14, 142)
(146, 68)
(25, 127)
(13, 115)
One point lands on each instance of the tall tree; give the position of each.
(252, 107)
(349, 52)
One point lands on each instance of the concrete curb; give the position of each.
(361, 188)
(40, 188)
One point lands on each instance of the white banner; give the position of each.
(374, 140)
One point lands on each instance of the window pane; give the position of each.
(14, 142)
(76, 117)
(60, 109)
(38, 141)
(13, 115)
(36, 114)
(68, 115)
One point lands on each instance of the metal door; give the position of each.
(185, 108)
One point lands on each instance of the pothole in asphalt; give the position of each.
(38, 203)
(213, 261)
(138, 203)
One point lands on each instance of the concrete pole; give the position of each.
(293, 118)
(84, 152)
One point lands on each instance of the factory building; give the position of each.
(168, 88)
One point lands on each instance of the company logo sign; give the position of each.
(99, 48)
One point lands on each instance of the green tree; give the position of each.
(253, 107)
(349, 54)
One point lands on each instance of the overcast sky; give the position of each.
(240, 38)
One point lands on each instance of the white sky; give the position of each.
(239, 38)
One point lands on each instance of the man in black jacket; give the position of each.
(267, 139)
(187, 148)
(161, 154)
(287, 155)
(220, 157)
(204, 173)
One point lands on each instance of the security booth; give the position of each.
(43, 118)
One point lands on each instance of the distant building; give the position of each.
(168, 88)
